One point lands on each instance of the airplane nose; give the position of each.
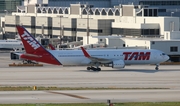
(167, 57)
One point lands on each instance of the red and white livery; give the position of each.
(115, 58)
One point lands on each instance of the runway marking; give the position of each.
(71, 95)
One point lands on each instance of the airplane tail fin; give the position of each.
(34, 50)
(30, 43)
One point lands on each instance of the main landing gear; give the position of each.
(157, 67)
(93, 68)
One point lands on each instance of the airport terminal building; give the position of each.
(82, 20)
(73, 22)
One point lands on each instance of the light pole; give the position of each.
(172, 13)
(60, 29)
(88, 25)
(42, 28)
(88, 7)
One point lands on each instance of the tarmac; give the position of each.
(90, 96)
(135, 76)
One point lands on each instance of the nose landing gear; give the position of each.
(157, 67)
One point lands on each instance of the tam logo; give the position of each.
(136, 55)
(30, 40)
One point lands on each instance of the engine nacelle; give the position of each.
(118, 64)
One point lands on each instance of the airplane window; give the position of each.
(163, 54)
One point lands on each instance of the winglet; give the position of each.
(85, 52)
(51, 46)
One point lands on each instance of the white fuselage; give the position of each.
(10, 44)
(129, 56)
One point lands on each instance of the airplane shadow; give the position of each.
(123, 70)
(132, 70)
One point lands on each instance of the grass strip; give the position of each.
(102, 104)
(29, 88)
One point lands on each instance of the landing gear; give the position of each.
(93, 68)
(29, 62)
(157, 67)
(98, 69)
(88, 68)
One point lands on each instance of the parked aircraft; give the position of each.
(115, 58)
(11, 44)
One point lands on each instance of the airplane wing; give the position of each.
(95, 59)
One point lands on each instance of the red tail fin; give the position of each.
(30, 44)
(34, 50)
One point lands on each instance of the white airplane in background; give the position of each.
(115, 58)
(11, 44)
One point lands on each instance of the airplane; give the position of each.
(115, 58)
(11, 44)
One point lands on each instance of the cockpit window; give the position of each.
(163, 54)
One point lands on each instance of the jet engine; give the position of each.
(118, 64)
